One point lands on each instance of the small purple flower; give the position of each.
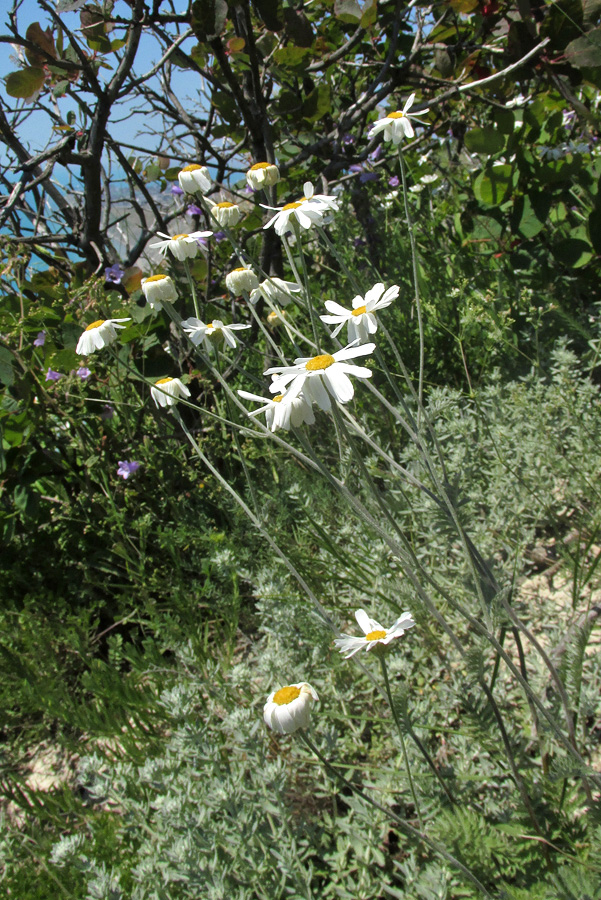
(108, 412)
(348, 140)
(83, 372)
(356, 168)
(358, 242)
(368, 176)
(194, 210)
(53, 376)
(248, 189)
(394, 181)
(126, 468)
(202, 242)
(376, 154)
(220, 236)
(176, 190)
(40, 340)
(114, 274)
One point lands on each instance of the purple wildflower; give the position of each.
(348, 140)
(220, 236)
(394, 181)
(83, 372)
(376, 154)
(126, 468)
(176, 189)
(53, 376)
(368, 176)
(194, 210)
(40, 340)
(114, 273)
(356, 168)
(248, 189)
(202, 241)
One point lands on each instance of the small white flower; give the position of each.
(195, 179)
(361, 318)
(318, 377)
(428, 179)
(183, 246)
(158, 289)
(226, 213)
(262, 175)
(198, 331)
(275, 290)
(374, 633)
(312, 209)
(167, 391)
(289, 709)
(397, 125)
(276, 319)
(98, 335)
(241, 281)
(282, 411)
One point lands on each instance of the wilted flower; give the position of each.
(40, 340)
(194, 179)
(51, 375)
(397, 125)
(167, 391)
(318, 377)
(312, 209)
(289, 709)
(360, 319)
(182, 246)
(282, 411)
(241, 281)
(98, 335)
(276, 290)
(226, 213)
(125, 468)
(158, 289)
(198, 331)
(262, 174)
(374, 633)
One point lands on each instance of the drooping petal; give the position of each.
(340, 384)
(351, 352)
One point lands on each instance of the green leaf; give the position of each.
(573, 252)
(594, 229)
(25, 83)
(493, 185)
(293, 57)
(484, 140)
(317, 103)
(7, 375)
(525, 216)
(208, 18)
(271, 12)
(585, 51)
(152, 172)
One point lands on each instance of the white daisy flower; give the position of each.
(98, 335)
(241, 281)
(323, 376)
(226, 213)
(276, 318)
(289, 709)
(428, 179)
(361, 318)
(397, 125)
(194, 179)
(198, 331)
(262, 174)
(282, 411)
(312, 209)
(374, 634)
(158, 289)
(167, 391)
(275, 290)
(183, 246)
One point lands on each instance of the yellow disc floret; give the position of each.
(260, 166)
(359, 311)
(225, 204)
(155, 278)
(293, 205)
(317, 363)
(177, 237)
(286, 695)
(164, 380)
(375, 636)
(96, 324)
(193, 168)
(396, 115)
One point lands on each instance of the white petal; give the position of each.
(340, 384)
(351, 352)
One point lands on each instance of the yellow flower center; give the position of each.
(293, 205)
(319, 362)
(278, 399)
(193, 168)
(177, 237)
(95, 324)
(260, 166)
(375, 636)
(359, 311)
(396, 115)
(286, 695)
(163, 380)
(240, 269)
(155, 278)
(225, 204)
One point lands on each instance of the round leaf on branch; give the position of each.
(25, 83)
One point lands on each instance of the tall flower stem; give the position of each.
(192, 288)
(403, 826)
(402, 739)
(418, 304)
(301, 256)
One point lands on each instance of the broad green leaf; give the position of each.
(208, 18)
(524, 218)
(293, 57)
(317, 104)
(43, 40)
(573, 252)
(484, 140)
(25, 83)
(493, 185)
(271, 12)
(585, 51)
(7, 375)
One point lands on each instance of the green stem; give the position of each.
(192, 288)
(301, 256)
